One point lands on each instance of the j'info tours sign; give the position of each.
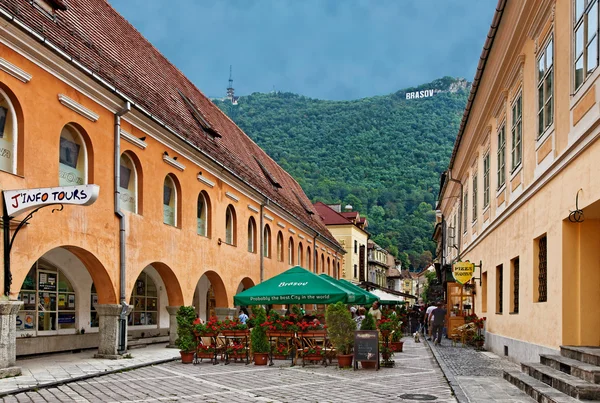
(22, 200)
(19, 201)
(463, 271)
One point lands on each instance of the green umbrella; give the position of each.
(359, 296)
(370, 298)
(294, 286)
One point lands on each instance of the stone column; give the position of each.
(109, 315)
(8, 338)
(225, 313)
(172, 325)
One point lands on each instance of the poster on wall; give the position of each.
(62, 299)
(47, 282)
(71, 301)
(66, 318)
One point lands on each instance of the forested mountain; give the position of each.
(383, 155)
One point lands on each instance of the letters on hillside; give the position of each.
(463, 271)
(19, 201)
(420, 94)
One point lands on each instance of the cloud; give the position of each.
(326, 49)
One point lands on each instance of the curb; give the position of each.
(46, 385)
(454, 385)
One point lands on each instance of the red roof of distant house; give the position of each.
(330, 216)
(100, 39)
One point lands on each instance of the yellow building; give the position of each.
(350, 230)
(523, 162)
(190, 210)
(378, 267)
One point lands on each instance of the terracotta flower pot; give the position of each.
(368, 364)
(345, 360)
(396, 346)
(186, 358)
(261, 358)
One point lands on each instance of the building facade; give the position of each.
(520, 195)
(190, 210)
(377, 260)
(350, 230)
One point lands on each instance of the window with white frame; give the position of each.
(72, 159)
(279, 246)
(230, 225)
(128, 184)
(486, 180)
(267, 241)
(202, 214)
(308, 258)
(545, 86)
(474, 217)
(8, 135)
(291, 251)
(144, 299)
(169, 202)
(251, 235)
(300, 249)
(585, 27)
(517, 132)
(501, 156)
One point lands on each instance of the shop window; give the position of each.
(267, 241)
(499, 288)
(545, 87)
(203, 214)
(73, 163)
(8, 135)
(169, 202)
(94, 317)
(230, 226)
(515, 285)
(300, 250)
(144, 299)
(291, 252)
(48, 301)
(128, 184)
(251, 235)
(280, 246)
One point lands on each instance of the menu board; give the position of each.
(366, 347)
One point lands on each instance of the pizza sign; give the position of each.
(463, 271)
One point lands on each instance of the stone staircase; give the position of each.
(573, 376)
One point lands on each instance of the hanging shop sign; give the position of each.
(19, 201)
(463, 271)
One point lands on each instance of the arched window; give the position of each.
(8, 135)
(49, 302)
(128, 184)
(328, 267)
(73, 162)
(280, 246)
(169, 202)
(267, 241)
(203, 214)
(230, 226)
(339, 273)
(251, 235)
(144, 299)
(308, 258)
(300, 250)
(291, 251)
(322, 263)
(94, 317)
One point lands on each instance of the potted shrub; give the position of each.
(340, 330)
(259, 340)
(368, 323)
(186, 342)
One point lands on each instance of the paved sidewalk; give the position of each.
(51, 370)
(476, 376)
(416, 377)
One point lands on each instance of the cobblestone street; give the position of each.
(416, 374)
(476, 376)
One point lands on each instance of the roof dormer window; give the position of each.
(49, 6)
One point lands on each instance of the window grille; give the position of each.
(500, 290)
(516, 286)
(543, 274)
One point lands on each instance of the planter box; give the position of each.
(235, 333)
(279, 333)
(313, 333)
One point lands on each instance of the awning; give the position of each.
(294, 286)
(370, 298)
(388, 299)
(359, 296)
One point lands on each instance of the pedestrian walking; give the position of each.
(430, 309)
(438, 316)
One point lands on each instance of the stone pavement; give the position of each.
(476, 376)
(416, 377)
(53, 369)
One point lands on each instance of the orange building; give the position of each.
(190, 210)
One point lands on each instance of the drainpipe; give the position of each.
(460, 207)
(121, 217)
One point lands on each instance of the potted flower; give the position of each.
(259, 340)
(186, 341)
(280, 351)
(206, 351)
(478, 341)
(368, 323)
(236, 350)
(234, 328)
(316, 353)
(386, 352)
(340, 330)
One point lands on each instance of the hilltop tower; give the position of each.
(230, 91)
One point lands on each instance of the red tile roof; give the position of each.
(95, 35)
(330, 216)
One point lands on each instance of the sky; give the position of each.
(326, 49)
